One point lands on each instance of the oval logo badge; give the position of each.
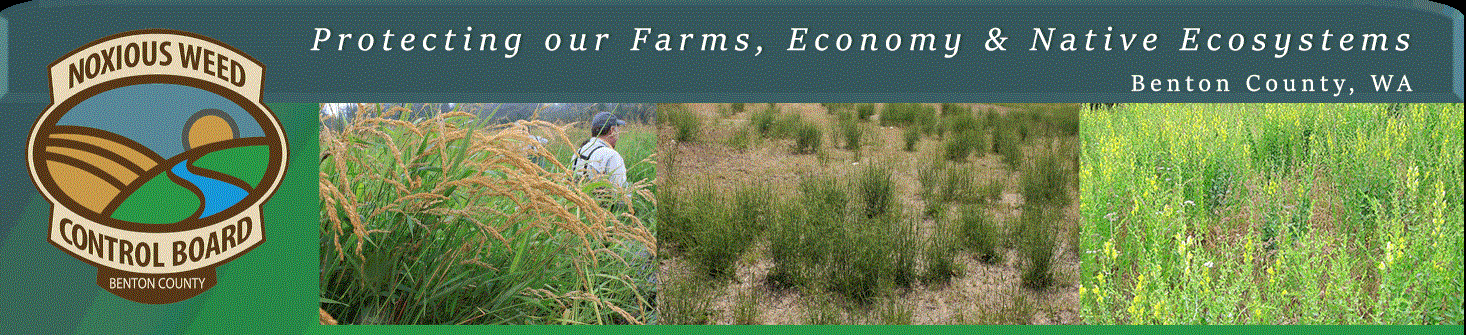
(156, 155)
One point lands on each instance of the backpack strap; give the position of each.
(585, 156)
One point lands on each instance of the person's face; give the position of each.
(613, 134)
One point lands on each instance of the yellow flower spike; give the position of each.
(1389, 254)
(1248, 255)
(1180, 246)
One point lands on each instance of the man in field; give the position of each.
(597, 157)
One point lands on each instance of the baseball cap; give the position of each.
(602, 123)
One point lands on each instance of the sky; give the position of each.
(154, 114)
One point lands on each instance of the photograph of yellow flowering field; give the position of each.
(1271, 214)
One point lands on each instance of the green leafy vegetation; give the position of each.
(1272, 214)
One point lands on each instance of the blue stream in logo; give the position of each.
(218, 195)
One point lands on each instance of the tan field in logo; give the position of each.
(93, 166)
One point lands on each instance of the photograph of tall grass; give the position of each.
(843, 213)
(469, 214)
(1272, 214)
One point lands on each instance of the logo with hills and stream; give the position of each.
(156, 155)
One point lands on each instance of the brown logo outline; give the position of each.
(273, 138)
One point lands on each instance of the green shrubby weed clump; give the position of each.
(865, 111)
(800, 243)
(1278, 147)
(1045, 190)
(910, 137)
(821, 309)
(686, 301)
(961, 122)
(832, 108)
(959, 185)
(903, 245)
(824, 242)
(874, 254)
(718, 245)
(950, 109)
(851, 133)
(930, 177)
(686, 122)
(1038, 242)
(825, 193)
(787, 125)
(990, 190)
(940, 254)
(955, 150)
(1064, 121)
(903, 114)
(745, 310)
(753, 207)
(843, 115)
(892, 311)
(855, 270)
(742, 138)
(876, 189)
(807, 138)
(964, 137)
(927, 121)
(981, 234)
(960, 145)
(712, 230)
(1046, 180)
(787, 248)
(680, 210)
(764, 121)
(1009, 145)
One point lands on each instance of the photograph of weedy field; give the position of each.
(1272, 214)
(898, 213)
(470, 214)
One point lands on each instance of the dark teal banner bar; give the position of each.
(1265, 53)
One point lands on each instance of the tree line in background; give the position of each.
(343, 113)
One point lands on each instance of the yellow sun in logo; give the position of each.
(208, 126)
